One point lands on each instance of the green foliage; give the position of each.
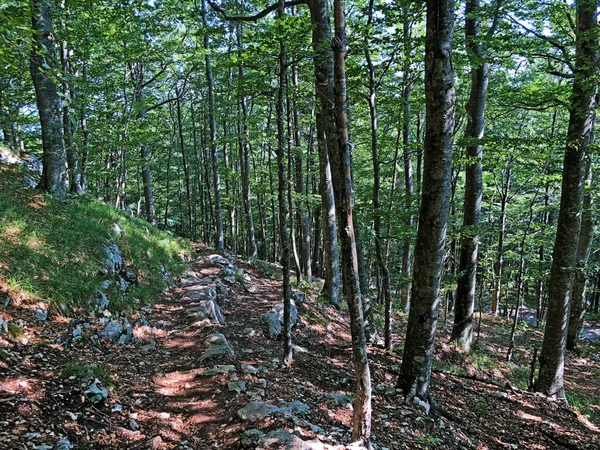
(85, 370)
(54, 251)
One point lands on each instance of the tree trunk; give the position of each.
(578, 295)
(465, 292)
(212, 123)
(283, 201)
(415, 372)
(42, 60)
(581, 124)
(496, 293)
(326, 143)
(341, 168)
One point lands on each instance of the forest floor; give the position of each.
(159, 397)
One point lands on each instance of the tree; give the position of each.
(581, 123)
(474, 132)
(342, 183)
(43, 68)
(415, 372)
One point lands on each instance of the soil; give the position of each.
(162, 388)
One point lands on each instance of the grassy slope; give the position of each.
(52, 251)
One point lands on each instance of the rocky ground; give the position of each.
(201, 369)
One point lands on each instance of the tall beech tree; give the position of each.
(415, 372)
(465, 292)
(582, 113)
(342, 183)
(43, 67)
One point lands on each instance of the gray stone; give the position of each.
(251, 288)
(200, 293)
(124, 339)
(116, 228)
(166, 276)
(3, 326)
(96, 392)
(237, 386)
(101, 302)
(149, 347)
(342, 400)
(273, 321)
(218, 369)
(211, 309)
(251, 438)
(123, 284)
(220, 260)
(190, 281)
(63, 444)
(217, 346)
(30, 182)
(76, 334)
(133, 425)
(130, 276)
(230, 279)
(114, 260)
(254, 411)
(105, 285)
(256, 393)
(226, 272)
(298, 297)
(32, 436)
(249, 369)
(112, 331)
(42, 447)
(41, 314)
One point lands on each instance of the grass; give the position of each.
(53, 251)
(80, 370)
(588, 405)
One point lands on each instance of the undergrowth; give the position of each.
(53, 251)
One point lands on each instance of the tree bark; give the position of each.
(578, 295)
(41, 64)
(341, 165)
(415, 372)
(212, 123)
(581, 124)
(465, 292)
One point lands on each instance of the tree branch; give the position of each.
(253, 18)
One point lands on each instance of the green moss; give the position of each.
(53, 251)
(82, 370)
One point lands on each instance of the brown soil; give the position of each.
(177, 408)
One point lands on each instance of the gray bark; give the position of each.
(581, 124)
(415, 372)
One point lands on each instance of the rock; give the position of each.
(63, 444)
(237, 386)
(30, 182)
(149, 347)
(76, 334)
(113, 261)
(128, 328)
(231, 279)
(123, 284)
(133, 425)
(105, 285)
(273, 320)
(218, 369)
(32, 436)
(101, 301)
(251, 288)
(342, 400)
(249, 332)
(96, 392)
(3, 326)
(251, 438)
(116, 228)
(211, 310)
(130, 276)
(190, 281)
(166, 275)
(41, 314)
(254, 411)
(298, 297)
(155, 443)
(262, 383)
(116, 407)
(217, 346)
(249, 369)
(256, 393)
(112, 331)
(42, 447)
(226, 272)
(200, 293)
(220, 260)
(33, 163)
(222, 290)
(425, 405)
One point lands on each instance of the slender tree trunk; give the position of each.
(415, 372)
(578, 295)
(186, 167)
(283, 203)
(581, 125)
(465, 292)
(54, 172)
(326, 143)
(341, 168)
(498, 265)
(212, 123)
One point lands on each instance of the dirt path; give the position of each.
(165, 394)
